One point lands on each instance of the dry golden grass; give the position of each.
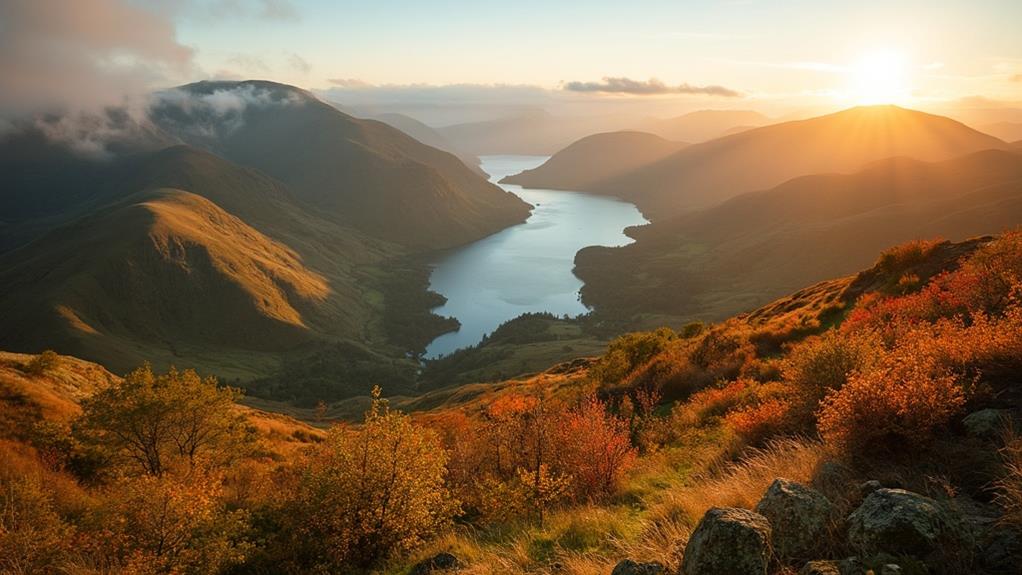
(742, 484)
(57, 391)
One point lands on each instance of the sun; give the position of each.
(880, 77)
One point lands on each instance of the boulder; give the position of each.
(798, 517)
(869, 487)
(629, 567)
(728, 541)
(849, 566)
(435, 564)
(986, 423)
(820, 568)
(898, 522)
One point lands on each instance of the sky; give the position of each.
(773, 56)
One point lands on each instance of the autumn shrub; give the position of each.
(593, 447)
(754, 424)
(629, 351)
(33, 537)
(371, 492)
(897, 405)
(903, 256)
(821, 364)
(171, 524)
(716, 401)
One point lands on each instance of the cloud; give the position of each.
(279, 10)
(299, 64)
(84, 54)
(650, 87)
(349, 83)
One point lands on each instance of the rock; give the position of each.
(629, 567)
(898, 522)
(798, 517)
(869, 487)
(986, 423)
(849, 566)
(728, 541)
(439, 562)
(820, 568)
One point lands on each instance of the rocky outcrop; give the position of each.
(436, 564)
(728, 541)
(629, 567)
(898, 522)
(986, 423)
(798, 517)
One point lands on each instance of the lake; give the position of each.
(528, 267)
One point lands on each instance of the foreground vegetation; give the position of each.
(570, 471)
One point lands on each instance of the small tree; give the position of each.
(594, 447)
(371, 492)
(153, 423)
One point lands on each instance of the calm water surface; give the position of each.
(524, 268)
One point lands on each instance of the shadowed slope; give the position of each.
(595, 158)
(361, 173)
(429, 136)
(164, 268)
(759, 245)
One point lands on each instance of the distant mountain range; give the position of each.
(596, 158)
(535, 133)
(705, 174)
(703, 125)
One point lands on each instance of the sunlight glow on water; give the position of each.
(528, 267)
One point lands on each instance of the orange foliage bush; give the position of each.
(755, 424)
(594, 448)
(896, 405)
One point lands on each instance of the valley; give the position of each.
(295, 287)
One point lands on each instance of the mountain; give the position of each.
(535, 133)
(360, 173)
(595, 158)
(757, 246)
(1007, 131)
(428, 136)
(246, 216)
(703, 125)
(163, 268)
(705, 174)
